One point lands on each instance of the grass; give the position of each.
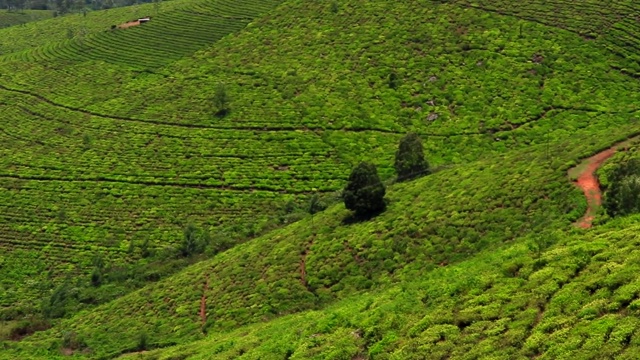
(102, 153)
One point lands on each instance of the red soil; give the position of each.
(203, 302)
(589, 184)
(129, 24)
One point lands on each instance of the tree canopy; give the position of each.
(623, 194)
(410, 162)
(364, 192)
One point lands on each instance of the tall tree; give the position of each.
(364, 192)
(410, 162)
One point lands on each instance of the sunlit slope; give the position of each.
(97, 156)
(177, 28)
(439, 220)
(578, 299)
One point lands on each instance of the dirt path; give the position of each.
(203, 302)
(303, 263)
(588, 182)
(584, 176)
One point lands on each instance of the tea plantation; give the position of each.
(116, 150)
(11, 18)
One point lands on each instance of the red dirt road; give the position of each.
(589, 184)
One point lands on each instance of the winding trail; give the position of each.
(585, 179)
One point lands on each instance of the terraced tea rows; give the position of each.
(108, 140)
(180, 29)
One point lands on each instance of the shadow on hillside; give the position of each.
(222, 113)
(352, 218)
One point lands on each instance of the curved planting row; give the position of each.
(169, 35)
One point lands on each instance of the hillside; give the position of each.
(176, 28)
(577, 299)
(102, 154)
(12, 18)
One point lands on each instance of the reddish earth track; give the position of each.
(588, 182)
(203, 302)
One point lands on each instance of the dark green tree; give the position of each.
(195, 241)
(364, 193)
(221, 100)
(393, 80)
(623, 194)
(410, 162)
(316, 205)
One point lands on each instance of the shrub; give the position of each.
(334, 7)
(143, 342)
(393, 80)
(96, 277)
(623, 194)
(316, 205)
(195, 241)
(364, 192)
(221, 100)
(62, 299)
(71, 340)
(410, 162)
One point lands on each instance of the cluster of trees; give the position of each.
(364, 192)
(623, 193)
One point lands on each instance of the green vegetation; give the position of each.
(364, 192)
(623, 192)
(179, 28)
(410, 161)
(578, 299)
(22, 17)
(221, 100)
(133, 218)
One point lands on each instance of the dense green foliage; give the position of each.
(623, 191)
(364, 192)
(410, 161)
(579, 299)
(17, 18)
(115, 173)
